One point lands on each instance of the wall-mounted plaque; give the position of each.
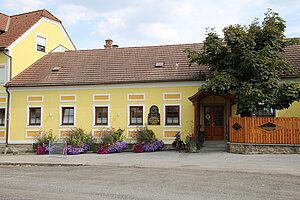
(153, 116)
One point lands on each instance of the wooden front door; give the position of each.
(214, 122)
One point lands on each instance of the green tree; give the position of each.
(248, 63)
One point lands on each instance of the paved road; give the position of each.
(116, 182)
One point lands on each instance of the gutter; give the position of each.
(8, 96)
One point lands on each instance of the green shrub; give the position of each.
(113, 136)
(78, 137)
(45, 138)
(145, 135)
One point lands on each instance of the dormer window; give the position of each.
(41, 43)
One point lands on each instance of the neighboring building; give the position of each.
(124, 88)
(24, 39)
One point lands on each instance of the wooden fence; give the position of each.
(264, 130)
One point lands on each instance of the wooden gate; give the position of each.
(264, 130)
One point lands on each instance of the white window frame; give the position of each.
(33, 130)
(5, 73)
(104, 130)
(136, 99)
(60, 130)
(28, 116)
(94, 116)
(129, 130)
(128, 116)
(46, 43)
(171, 138)
(180, 116)
(35, 96)
(101, 95)
(172, 99)
(66, 95)
(60, 116)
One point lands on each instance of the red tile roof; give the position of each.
(115, 65)
(4, 19)
(122, 65)
(19, 24)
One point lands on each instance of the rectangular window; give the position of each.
(263, 111)
(2, 73)
(67, 115)
(35, 116)
(2, 116)
(41, 44)
(101, 116)
(136, 115)
(172, 115)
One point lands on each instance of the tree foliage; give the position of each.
(248, 63)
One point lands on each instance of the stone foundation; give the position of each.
(16, 148)
(249, 148)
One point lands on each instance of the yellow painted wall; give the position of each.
(24, 53)
(84, 109)
(292, 111)
(2, 58)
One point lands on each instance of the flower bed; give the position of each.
(116, 147)
(148, 147)
(77, 150)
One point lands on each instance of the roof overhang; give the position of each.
(202, 94)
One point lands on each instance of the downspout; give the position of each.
(8, 97)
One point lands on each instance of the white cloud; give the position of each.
(158, 31)
(24, 5)
(110, 27)
(71, 14)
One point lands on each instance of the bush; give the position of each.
(191, 140)
(78, 142)
(43, 141)
(113, 136)
(45, 138)
(145, 135)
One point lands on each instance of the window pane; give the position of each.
(35, 116)
(172, 115)
(2, 117)
(136, 115)
(101, 116)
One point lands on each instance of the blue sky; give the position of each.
(153, 22)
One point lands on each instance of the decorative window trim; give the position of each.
(60, 130)
(27, 130)
(180, 116)
(94, 116)
(4, 97)
(28, 117)
(3, 65)
(28, 97)
(67, 95)
(166, 130)
(61, 114)
(94, 130)
(108, 95)
(180, 98)
(36, 43)
(144, 95)
(3, 134)
(128, 115)
(5, 115)
(130, 130)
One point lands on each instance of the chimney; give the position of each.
(108, 44)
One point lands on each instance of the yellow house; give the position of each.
(124, 88)
(25, 38)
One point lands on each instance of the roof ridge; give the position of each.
(27, 12)
(140, 47)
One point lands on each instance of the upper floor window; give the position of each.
(2, 116)
(35, 116)
(2, 73)
(101, 115)
(68, 115)
(136, 115)
(172, 115)
(40, 43)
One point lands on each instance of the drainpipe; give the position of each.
(8, 97)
